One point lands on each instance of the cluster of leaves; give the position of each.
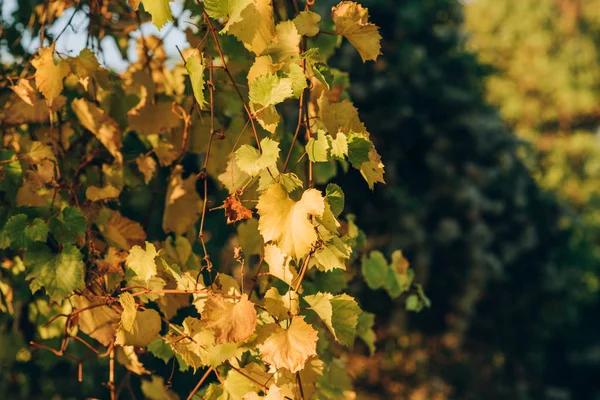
(105, 189)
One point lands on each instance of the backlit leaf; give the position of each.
(352, 21)
(286, 222)
(49, 75)
(231, 321)
(289, 348)
(142, 261)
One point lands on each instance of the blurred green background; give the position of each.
(487, 116)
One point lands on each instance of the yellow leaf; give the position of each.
(84, 65)
(18, 112)
(136, 328)
(95, 193)
(281, 306)
(101, 125)
(263, 65)
(152, 118)
(285, 48)
(289, 348)
(352, 21)
(48, 75)
(183, 205)
(279, 264)
(231, 322)
(142, 261)
(121, 231)
(286, 222)
(99, 322)
(160, 11)
(147, 166)
(195, 345)
(127, 357)
(372, 170)
(195, 68)
(307, 23)
(233, 178)
(24, 90)
(340, 117)
(256, 27)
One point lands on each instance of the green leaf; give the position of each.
(358, 149)
(161, 349)
(339, 313)
(37, 231)
(11, 172)
(332, 282)
(375, 269)
(159, 10)
(339, 146)
(251, 161)
(60, 274)
(68, 226)
(15, 230)
(364, 330)
(195, 68)
(268, 90)
(317, 148)
(323, 74)
(335, 198)
(298, 79)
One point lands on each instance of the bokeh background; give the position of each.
(487, 116)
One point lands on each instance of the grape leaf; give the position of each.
(307, 23)
(364, 330)
(195, 68)
(317, 148)
(69, 225)
(231, 322)
(137, 328)
(49, 75)
(352, 21)
(95, 120)
(251, 161)
(375, 269)
(358, 150)
(289, 348)
(339, 313)
(142, 261)
(286, 222)
(183, 204)
(230, 9)
(335, 198)
(373, 169)
(298, 79)
(37, 230)
(268, 90)
(257, 27)
(159, 10)
(161, 349)
(15, 230)
(60, 274)
(281, 306)
(279, 264)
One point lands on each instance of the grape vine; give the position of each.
(109, 183)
